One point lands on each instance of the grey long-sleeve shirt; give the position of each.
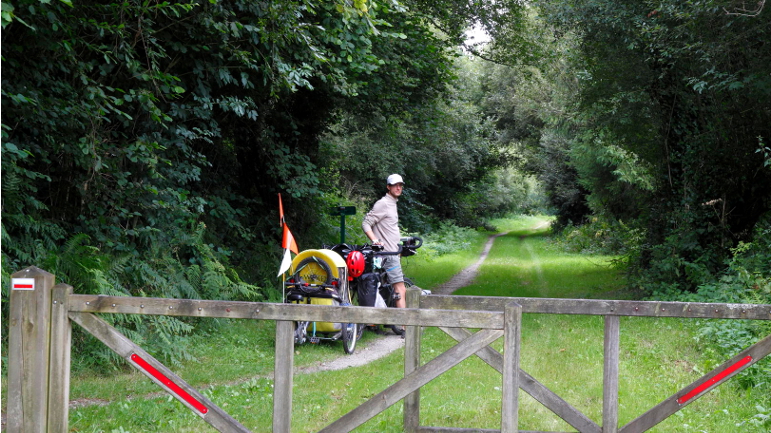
(383, 220)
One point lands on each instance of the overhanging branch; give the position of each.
(742, 11)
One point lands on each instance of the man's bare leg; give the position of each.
(402, 291)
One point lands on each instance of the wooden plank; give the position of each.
(427, 429)
(710, 380)
(415, 380)
(15, 412)
(511, 352)
(272, 311)
(158, 373)
(530, 385)
(59, 370)
(29, 349)
(603, 307)
(610, 375)
(411, 363)
(283, 379)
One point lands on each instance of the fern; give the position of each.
(189, 268)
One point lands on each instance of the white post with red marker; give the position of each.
(23, 284)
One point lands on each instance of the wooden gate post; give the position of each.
(512, 327)
(59, 365)
(610, 376)
(411, 363)
(282, 380)
(28, 350)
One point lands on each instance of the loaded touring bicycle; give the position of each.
(342, 275)
(320, 277)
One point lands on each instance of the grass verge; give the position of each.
(658, 357)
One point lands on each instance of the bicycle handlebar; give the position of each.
(387, 253)
(409, 243)
(412, 243)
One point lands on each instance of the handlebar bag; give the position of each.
(367, 286)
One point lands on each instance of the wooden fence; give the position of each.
(40, 329)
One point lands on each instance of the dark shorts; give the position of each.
(393, 268)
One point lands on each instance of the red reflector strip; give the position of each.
(717, 378)
(166, 381)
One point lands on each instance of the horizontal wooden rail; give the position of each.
(591, 307)
(535, 389)
(267, 311)
(427, 429)
(39, 335)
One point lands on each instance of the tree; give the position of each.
(162, 131)
(679, 90)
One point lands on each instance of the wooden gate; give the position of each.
(40, 329)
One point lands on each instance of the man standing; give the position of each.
(381, 225)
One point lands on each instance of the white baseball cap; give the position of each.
(394, 179)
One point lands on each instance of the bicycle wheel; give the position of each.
(350, 334)
(314, 271)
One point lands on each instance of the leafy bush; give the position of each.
(190, 268)
(747, 279)
(446, 239)
(600, 236)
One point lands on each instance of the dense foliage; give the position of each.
(144, 143)
(671, 109)
(654, 144)
(653, 117)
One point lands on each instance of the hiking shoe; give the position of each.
(398, 330)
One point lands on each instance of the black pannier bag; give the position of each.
(367, 287)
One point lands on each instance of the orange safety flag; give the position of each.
(280, 211)
(287, 241)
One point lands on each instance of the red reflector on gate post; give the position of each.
(166, 381)
(717, 378)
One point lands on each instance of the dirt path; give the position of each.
(374, 350)
(466, 276)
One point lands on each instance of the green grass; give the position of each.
(563, 352)
(234, 365)
(522, 265)
(658, 357)
(428, 271)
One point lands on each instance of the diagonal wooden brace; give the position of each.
(700, 387)
(158, 373)
(413, 381)
(530, 385)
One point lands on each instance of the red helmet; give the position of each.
(355, 262)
